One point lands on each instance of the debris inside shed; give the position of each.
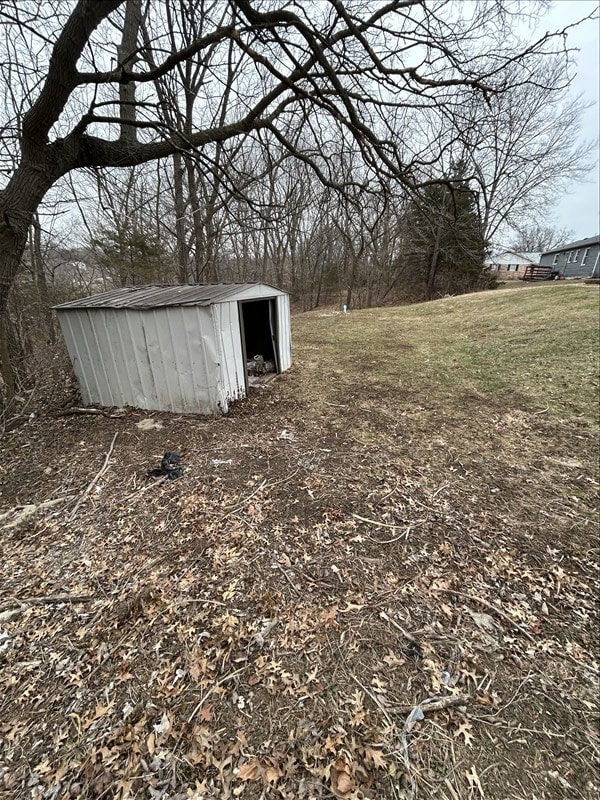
(258, 365)
(261, 381)
(261, 371)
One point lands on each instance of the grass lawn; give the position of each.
(377, 578)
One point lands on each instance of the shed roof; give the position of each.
(578, 245)
(200, 294)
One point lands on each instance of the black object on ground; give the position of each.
(169, 466)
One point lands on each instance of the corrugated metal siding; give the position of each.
(85, 337)
(164, 359)
(182, 358)
(284, 332)
(75, 342)
(232, 369)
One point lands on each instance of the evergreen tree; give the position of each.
(131, 255)
(443, 240)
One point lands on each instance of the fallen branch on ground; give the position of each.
(69, 412)
(25, 512)
(375, 522)
(486, 603)
(417, 714)
(96, 477)
(432, 704)
(50, 599)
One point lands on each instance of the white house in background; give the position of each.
(510, 265)
(176, 348)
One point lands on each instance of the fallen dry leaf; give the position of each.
(342, 782)
(251, 771)
(376, 757)
(464, 730)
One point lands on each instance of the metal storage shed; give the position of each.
(175, 348)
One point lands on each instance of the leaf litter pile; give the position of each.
(368, 583)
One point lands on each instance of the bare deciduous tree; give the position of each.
(536, 237)
(529, 148)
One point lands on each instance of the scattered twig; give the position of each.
(145, 488)
(96, 477)
(391, 541)
(486, 603)
(375, 522)
(451, 789)
(69, 412)
(23, 513)
(588, 667)
(417, 714)
(406, 634)
(288, 579)
(51, 599)
(241, 505)
(514, 696)
(371, 695)
(289, 477)
(213, 688)
(433, 704)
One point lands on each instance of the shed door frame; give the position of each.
(273, 325)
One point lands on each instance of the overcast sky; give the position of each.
(580, 210)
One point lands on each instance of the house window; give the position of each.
(516, 267)
(576, 256)
(585, 255)
(555, 261)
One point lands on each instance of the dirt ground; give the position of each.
(356, 589)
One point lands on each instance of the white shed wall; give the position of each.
(284, 332)
(162, 359)
(106, 348)
(232, 368)
(182, 358)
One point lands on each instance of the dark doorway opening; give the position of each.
(258, 320)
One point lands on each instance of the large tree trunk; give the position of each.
(197, 224)
(12, 246)
(127, 55)
(18, 203)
